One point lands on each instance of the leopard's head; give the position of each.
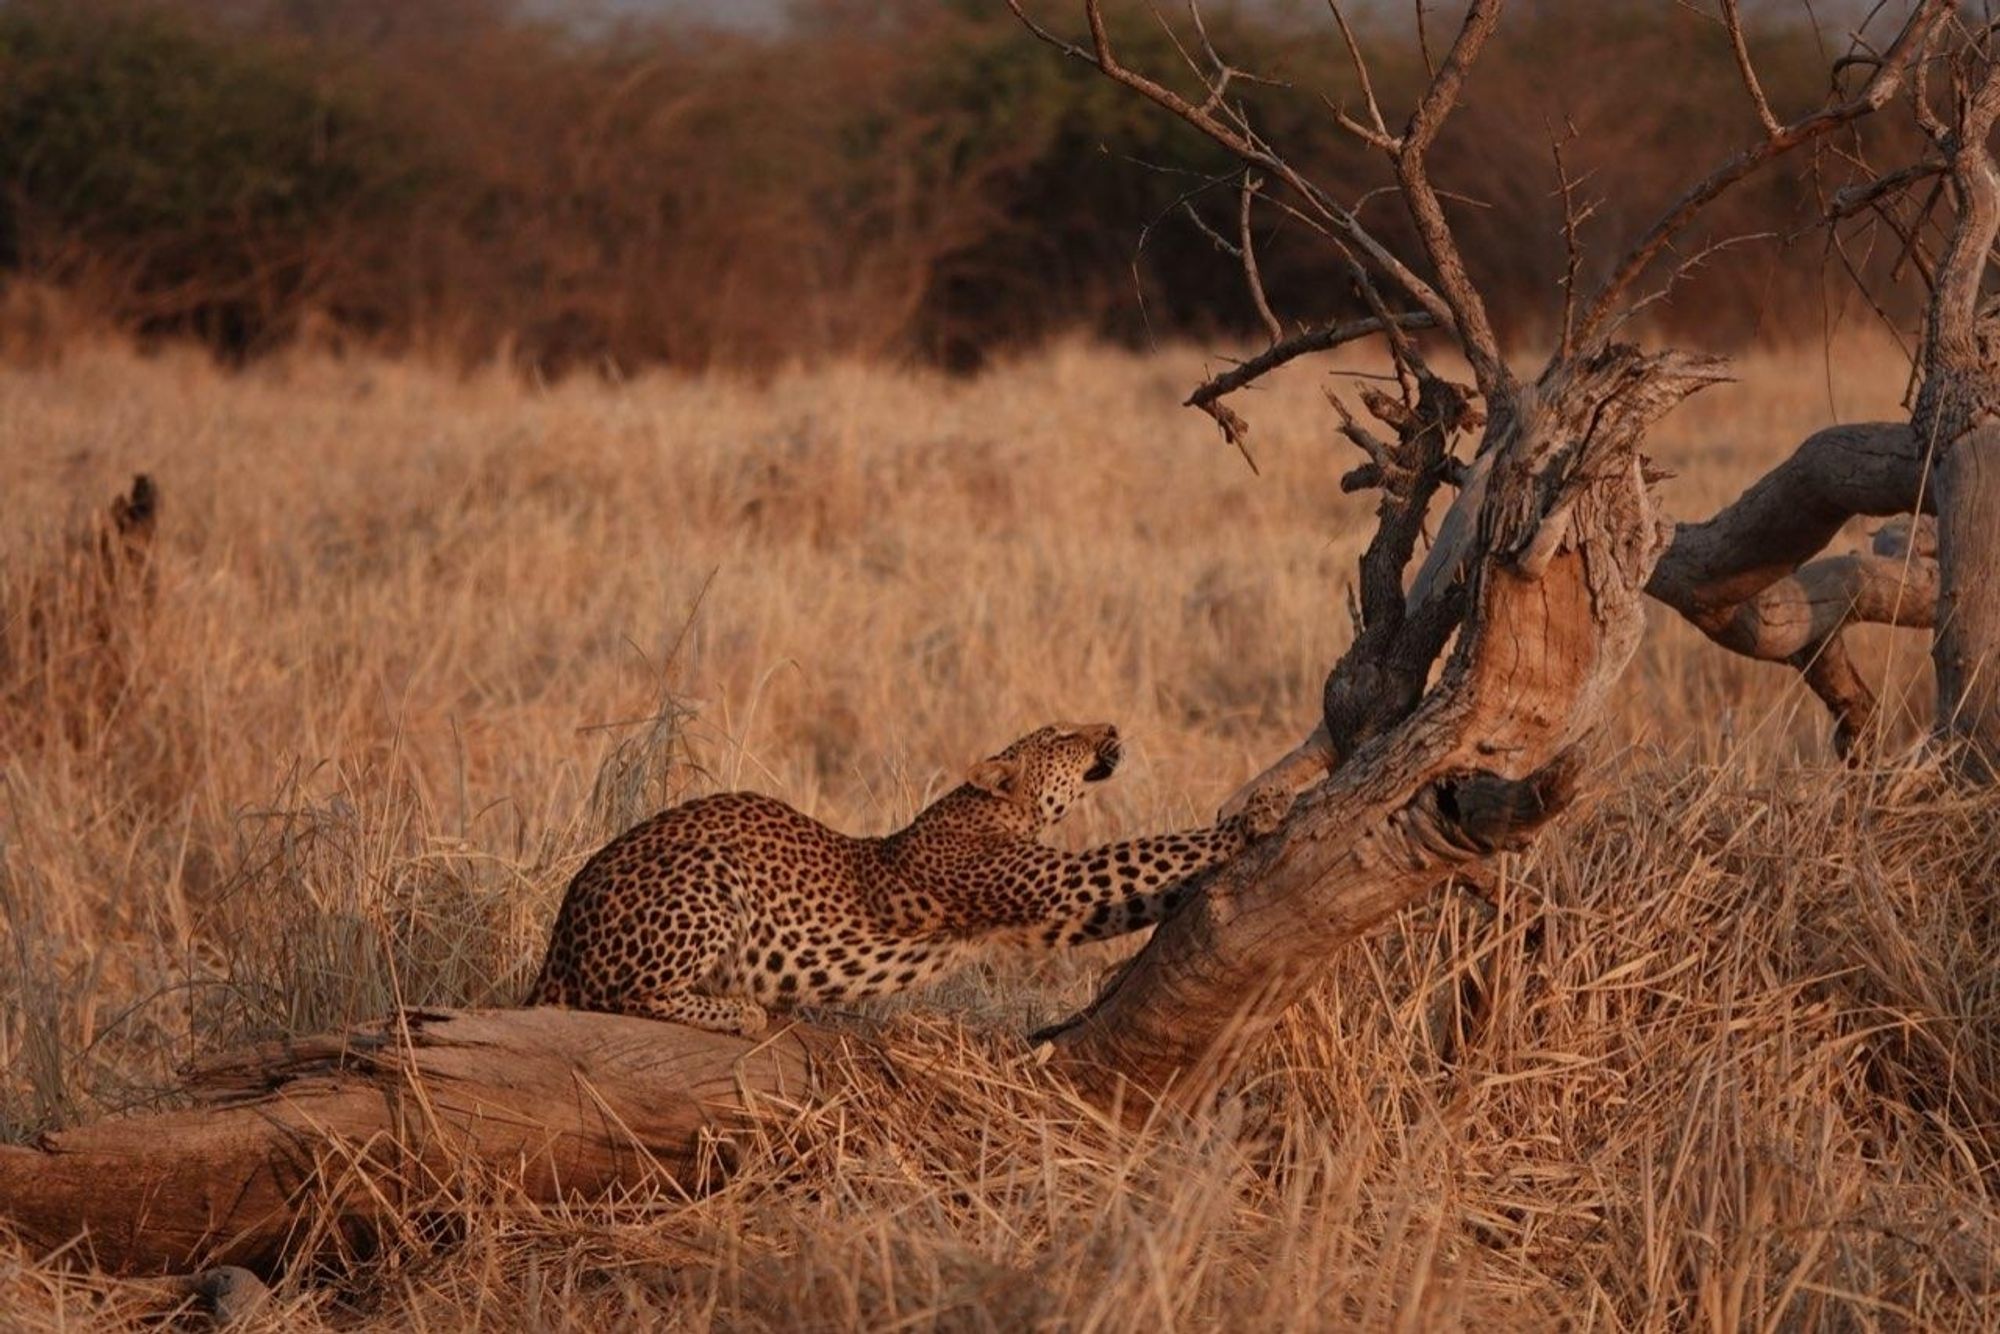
(1043, 773)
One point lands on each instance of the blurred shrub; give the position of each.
(189, 178)
(912, 178)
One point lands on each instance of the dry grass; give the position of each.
(1723, 1057)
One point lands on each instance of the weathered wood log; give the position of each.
(339, 1139)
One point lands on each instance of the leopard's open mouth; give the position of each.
(1107, 761)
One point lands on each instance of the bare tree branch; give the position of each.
(1251, 277)
(1606, 308)
(1573, 221)
(1747, 578)
(1732, 19)
(1855, 199)
(1208, 396)
(1475, 330)
(1788, 517)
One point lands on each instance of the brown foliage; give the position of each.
(912, 179)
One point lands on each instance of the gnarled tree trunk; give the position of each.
(1570, 537)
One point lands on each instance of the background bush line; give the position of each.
(911, 179)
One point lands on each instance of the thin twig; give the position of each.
(1201, 224)
(1732, 19)
(1251, 277)
(1572, 245)
(1377, 132)
(1854, 199)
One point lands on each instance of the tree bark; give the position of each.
(1966, 649)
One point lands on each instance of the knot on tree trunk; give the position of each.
(1485, 812)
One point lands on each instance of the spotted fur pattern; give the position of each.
(710, 912)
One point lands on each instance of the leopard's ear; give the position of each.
(1002, 778)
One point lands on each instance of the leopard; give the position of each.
(714, 913)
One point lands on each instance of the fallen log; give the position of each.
(333, 1141)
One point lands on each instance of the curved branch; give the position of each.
(1787, 518)
(1208, 395)
(1805, 609)
(1802, 619)
(1747, 578)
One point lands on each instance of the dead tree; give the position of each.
(1531, 595)
(1752, 577)
(1956, 421)
(1538, 570)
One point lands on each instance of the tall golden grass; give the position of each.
(1719, 1053)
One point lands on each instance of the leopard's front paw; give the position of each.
(752, 1020)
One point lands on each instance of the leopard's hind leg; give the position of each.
(717, 1014)
(681, 941)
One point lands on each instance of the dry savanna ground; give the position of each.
(1720, 1053)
